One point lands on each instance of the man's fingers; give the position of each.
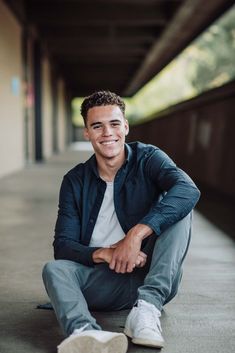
(123, 267)
(141, 260)
(112, 264)
(118, 267)
(143, 254)
(130, 267)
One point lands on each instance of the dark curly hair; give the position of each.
(100, 98)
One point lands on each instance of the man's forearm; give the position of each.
(102, 255)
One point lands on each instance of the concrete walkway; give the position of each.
(201, 318)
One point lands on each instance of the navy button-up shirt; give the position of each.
(149, 189)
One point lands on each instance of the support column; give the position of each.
(38, 101)
(54, 112)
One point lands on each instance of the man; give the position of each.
(121, 236)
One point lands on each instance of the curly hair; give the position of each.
(100, 98)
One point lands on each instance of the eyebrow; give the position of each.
(111, 121)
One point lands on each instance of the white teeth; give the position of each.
(108, 143)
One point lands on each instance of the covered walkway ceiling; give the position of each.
(115, 44)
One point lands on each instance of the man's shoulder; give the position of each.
(142, 149)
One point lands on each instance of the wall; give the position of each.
(11, 101)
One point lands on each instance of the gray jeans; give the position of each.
(75, 289)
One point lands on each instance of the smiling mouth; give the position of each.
(106, 143)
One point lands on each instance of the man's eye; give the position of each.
(96, 126)
(115, 124)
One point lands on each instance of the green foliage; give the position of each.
(76, 115)
(207, 63)
(214, 54)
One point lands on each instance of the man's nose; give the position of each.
(107, 130)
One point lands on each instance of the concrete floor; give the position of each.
(200, 319)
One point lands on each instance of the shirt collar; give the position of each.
(93, 163)
(128, 153)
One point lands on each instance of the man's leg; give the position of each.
(164, 276)
(63, 281)
(74, 289)
(160, 284)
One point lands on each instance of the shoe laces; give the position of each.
(149, 315)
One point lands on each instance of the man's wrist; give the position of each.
(143, 231)
(96, 256)
(101, 255)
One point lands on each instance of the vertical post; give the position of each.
(24, 42)
(38, 100)
(54, 112)
(68, 118)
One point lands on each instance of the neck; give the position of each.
(108, 168)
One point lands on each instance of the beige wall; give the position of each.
(11, 102)
(46, 109)
(61, 116)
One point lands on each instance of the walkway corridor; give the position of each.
(201, 318)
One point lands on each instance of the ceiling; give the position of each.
(115, 44)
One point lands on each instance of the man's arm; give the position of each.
(180, 193)
(68, 227)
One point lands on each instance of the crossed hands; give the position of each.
(125, 255)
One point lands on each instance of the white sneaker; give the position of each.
(94, 341)
(143, 325)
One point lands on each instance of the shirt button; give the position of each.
(92, 220)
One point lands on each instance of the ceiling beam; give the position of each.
(77, 32)
(55, 43)
(101, 60)
(94, 14)
(101, 51)
(194, 14)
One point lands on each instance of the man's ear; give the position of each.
(85, 134)
(126, 127)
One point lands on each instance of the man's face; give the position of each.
(106, 129)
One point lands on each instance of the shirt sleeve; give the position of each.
(67, 245)
(180, 192)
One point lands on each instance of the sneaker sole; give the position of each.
(144, 342)
(85, 344)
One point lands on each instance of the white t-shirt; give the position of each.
(107, 230)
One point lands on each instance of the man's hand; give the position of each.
(127, 252)
(102, 255)
(141, 259)
(106, 254)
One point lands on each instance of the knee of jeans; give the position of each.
(52, 267)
